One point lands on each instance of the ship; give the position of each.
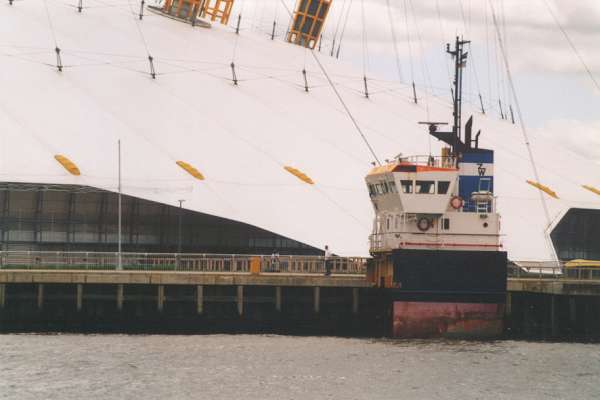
(436, 246)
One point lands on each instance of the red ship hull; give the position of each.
(444, 319)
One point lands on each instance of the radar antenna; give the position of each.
(454, 137)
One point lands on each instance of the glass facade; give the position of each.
(577, 235)
(41, 217)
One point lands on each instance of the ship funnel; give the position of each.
(469, 132)
(309, 19)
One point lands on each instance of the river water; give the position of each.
(283, 367)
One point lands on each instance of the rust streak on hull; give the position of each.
(424, 319)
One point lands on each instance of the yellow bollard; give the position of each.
(255, 265)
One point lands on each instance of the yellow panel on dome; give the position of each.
(300, 175)
(67, 164)
(191, 170)
(591, 189)
(543, 188)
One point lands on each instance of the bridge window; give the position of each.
(425, 187)
(392, 186)
(372, 191)
(385, 188)
(407, 186)
(443, 187)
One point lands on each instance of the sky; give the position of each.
(558, 98)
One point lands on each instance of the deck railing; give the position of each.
(224, 263)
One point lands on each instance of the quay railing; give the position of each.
(551, 270)
(222, 263)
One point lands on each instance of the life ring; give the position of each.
(457, 202)
(424, 224)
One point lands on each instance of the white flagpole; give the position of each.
(120, 259)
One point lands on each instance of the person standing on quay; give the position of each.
(327, 261)
(275, 261)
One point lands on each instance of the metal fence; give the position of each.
(224, 263)
(241, 263)
(552, 270)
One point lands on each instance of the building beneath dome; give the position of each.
(43, 217)
(577, 235)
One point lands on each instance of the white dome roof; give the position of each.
(239, 137)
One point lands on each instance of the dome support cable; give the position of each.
(275, 16)
(59, 64)
(234, 77)
(481, 103)
(337, 28)
(572, 45)
(339, 48)
(79, 6)
(467, 26)
(394, 41)
(424, 65)
(136, 21)
(443, 37)
(408, 44)
(339, 96)
(502, 116)
(365, 48)
(523, 127)
(490, 98)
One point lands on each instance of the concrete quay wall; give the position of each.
(188, 302)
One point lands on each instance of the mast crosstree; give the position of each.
(454, 137)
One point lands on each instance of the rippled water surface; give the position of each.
(278, 367)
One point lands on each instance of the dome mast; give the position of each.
(308, 21)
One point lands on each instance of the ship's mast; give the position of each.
(460, 60)
(454, 137)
